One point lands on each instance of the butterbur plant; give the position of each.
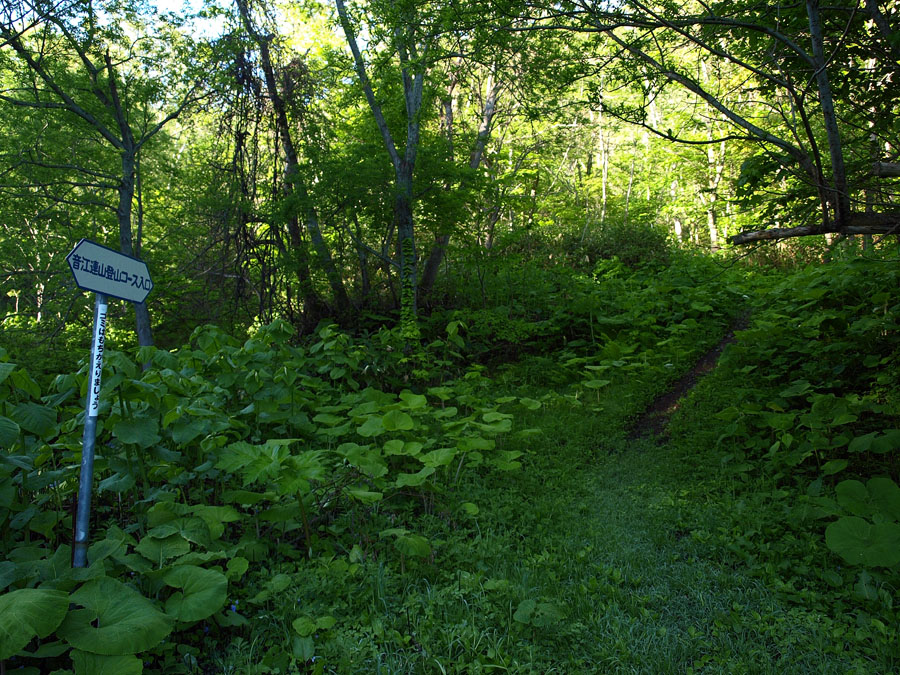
(208, 461)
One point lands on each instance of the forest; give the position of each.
(513, 336)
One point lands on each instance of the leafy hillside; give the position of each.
(272, 506)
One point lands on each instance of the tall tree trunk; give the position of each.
(630, 184)
(433, 263)
(406, 243)
(126, 243)
(404, 165)
(841, 193)
(294, 182)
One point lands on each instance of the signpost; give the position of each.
(107, 273)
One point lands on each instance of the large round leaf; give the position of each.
(205, 592)
(862, 543)
(97, 664)
(116, 620)
(413, 545)
(28, 612)
(160, 549)
(371, 427)
(138, 430)
(414, 479)
(396, 420)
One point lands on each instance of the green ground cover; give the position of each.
(266, 507)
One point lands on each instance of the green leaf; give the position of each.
(413, 401)
(475, 443)
(889, 441)
(9, 432)
(546, 614)
(834, 466)
(862, 543)
(158, 550)
(236, 568)
(8, 573)
(797, 388)
(414, 545)
(118, 482)
(328, 419)
(371, 427)
(325, 622)
(529, 403)
(138, 430)
(187, 428)
(98, 664)
(29, 612)
(538, 614)
(862, 443)
(204, 592)
(394, 447)
(35, 418)
(215, 518)
(854, 497)
(365, 459)
(365, 496)
(439, 457)
(524, 611)
(304, 626)
(397, 420)
(885, 496)
(414, 479)
(5, 370)
(116, 620)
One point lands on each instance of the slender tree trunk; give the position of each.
(630, 185)
(126, 244)
(403, 216)
(404, 165)
(294, 182)
(433, 263)
(841, 193)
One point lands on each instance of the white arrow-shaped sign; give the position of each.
(103, 270)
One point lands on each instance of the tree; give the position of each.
(82, 59)
(765, 43)
(293, 181)
(410, 31)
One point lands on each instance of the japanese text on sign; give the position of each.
(97, 363)
(106, 271)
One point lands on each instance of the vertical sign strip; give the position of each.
(85, 484)
(96, 370)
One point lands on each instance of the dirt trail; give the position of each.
(655, 419)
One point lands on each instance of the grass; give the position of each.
(602, 554)
(613, 553)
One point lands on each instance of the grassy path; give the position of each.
(590, 561)
(604, 554)
(604, 567)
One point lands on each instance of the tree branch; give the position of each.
(858, 223)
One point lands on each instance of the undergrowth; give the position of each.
(473, 504)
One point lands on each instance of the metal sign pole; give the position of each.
(85, 485)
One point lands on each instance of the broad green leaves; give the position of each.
(871, 536)
(860, 542)
(203, 592)
(142, 431)
(116, 620)
(218, 455)
(27, 613)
